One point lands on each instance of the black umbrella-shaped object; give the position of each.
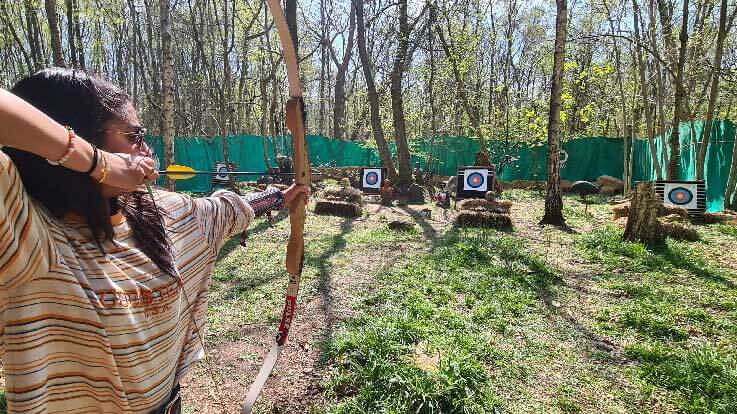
(584, 188)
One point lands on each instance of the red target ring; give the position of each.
(372, 178)
(475, 180)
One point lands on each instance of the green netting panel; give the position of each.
(338, 153)
(445, 153)
(588, 158)
(717, 162)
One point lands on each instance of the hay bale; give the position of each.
(348, 194)
(722, 217)
(609, 190)
(398, 225)
(678, 231)
(664, 210)
(467, 218)
(621, 210)
(338, 208)
(505, 205)
(476, 203)
(675, 218)
(609, 181)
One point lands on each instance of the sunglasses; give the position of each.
(135, 137)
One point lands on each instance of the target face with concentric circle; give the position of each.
(680, 196)
(475, 180)
(372, 178)
(221, 171)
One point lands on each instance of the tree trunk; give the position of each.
(373, 94)
(715, 73)
(431, 89)
(674, 143)
(554, 197)
(33, 38)
(290, 12)
(78, 34)
(340, 80)
(53, 19)
(397, 73)
(167, 86)
(645, 92)
(642, 222)
(70, 33)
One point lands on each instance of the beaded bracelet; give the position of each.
(69, 151)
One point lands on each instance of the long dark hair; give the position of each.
(85, 103)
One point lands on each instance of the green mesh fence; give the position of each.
(588, 158)
(716, 165)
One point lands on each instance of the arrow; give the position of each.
(182, 172)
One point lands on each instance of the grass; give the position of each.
(521, 336)
(537, 320)
(425, 343)
(675, 311)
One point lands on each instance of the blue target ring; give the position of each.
(372, 178)
(680, 196)
(475, 180)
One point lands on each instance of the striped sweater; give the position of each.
(87, 332)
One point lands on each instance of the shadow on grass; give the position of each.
(262, 226)
(693, 264)
(324, 278)
(427, 229)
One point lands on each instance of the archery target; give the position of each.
(680, 195)
(372, 178)
(475, 180)
(222, 171)
(221, 177)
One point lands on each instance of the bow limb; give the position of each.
(295, 248)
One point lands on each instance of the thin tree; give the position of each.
(373, 94)
(167, 85)
(644, 90)
(678, 100)
(554, 197)
(340, 78)
(396, 75)
(725, 25)
(53, 19)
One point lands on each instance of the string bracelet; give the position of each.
(94, 160)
